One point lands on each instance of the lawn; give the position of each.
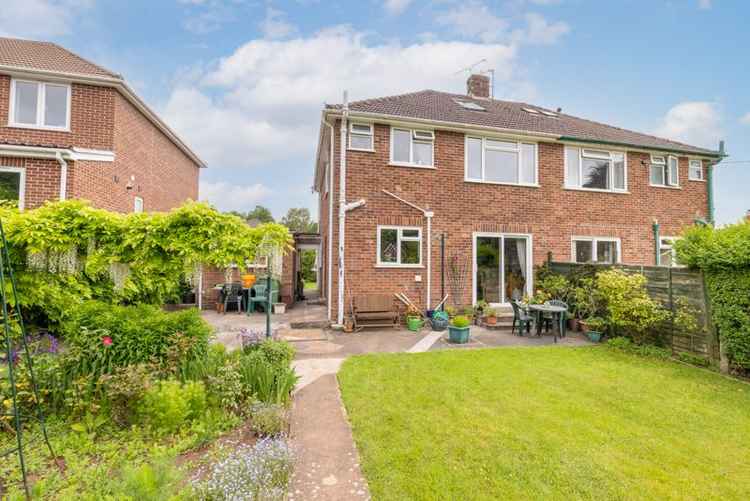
(552, 423)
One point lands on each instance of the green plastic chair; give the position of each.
(522, 318)
(260, 297)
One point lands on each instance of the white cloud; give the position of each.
(704, 4)
(475, 20)
(697, 123)
(275, 25)
(396, 7)
(40, 18)
(226, 196)
(745, 118)
(207, 16)
(262, 103)
(542, 32)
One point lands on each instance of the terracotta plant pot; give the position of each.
(583, 326)
(573, 324)
(490, 320)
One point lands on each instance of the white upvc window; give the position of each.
(361, 137)
(695, 170)
(596, 170)
(664, 171)
(39, 105)
(12, 185)
(595, 250)
(137, 204)
(412, 147)
(667, 253)
(399, 246)
(498, 161)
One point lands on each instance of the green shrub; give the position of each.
(227, 388)
(551, 285)
(460, 321)
(168, 405)
(625, 345)
(155, 481)
(276, 353)
(124, 389)
(265, 381)
(268, 419)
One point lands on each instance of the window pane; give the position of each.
(409, 252)
(410, 233)
(571, 159)
(673, 171)
(500, 166)
(595, 173)
(528, 163)
(501, 144)
(401, 145)
(55, 105)
(583, 251)
(665, 258)
(596, 153)
(657, 174)
(422, 153)
(619, 167)
(606, 252)
(388, 249)
(361, 142)
(365, 129)
(696, 169)
(10, 186)
(26, 103)
(474, 158)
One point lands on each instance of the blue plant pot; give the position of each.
(594, 336)
(458, 335)
(439, 324)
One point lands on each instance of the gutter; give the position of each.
(711, 154)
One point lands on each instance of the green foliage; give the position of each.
(625, 345)
(155, 481)
(299, 220)
(123, 390)
(268, 419)
(169, 405)
(490, 313)
(265, 381)
(277, 353)
(307, 265)
(551, 285)
(709, 249)
(460, 321)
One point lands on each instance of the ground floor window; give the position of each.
(596, 250)
(399, 246)
(12, 180)
(667, 254)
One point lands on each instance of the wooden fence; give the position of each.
(669, 286)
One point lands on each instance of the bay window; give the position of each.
(596, 250)
(414, 148)
(39, 105)
(500, 162)
(598, 170)
(664, 171)
(399, 246)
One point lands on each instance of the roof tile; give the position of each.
(47, 56)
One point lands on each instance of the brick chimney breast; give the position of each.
(478, 86)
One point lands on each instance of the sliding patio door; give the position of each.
(502, 267)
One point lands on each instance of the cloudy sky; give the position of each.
(244, 80)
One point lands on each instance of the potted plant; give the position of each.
(490, 316)
(414, 322)
(594, 328)
(468, 312)
(451, 311)
(459, 330)
(439, 321)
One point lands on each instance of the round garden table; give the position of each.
(558, 312)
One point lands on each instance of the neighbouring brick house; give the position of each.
(506, 183)
(72, 129)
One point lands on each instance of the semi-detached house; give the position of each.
(436, 182)
(72, 129)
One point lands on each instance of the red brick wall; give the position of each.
(92, 115)
(549, 213)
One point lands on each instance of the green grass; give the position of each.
(311, 285)
(546, 423)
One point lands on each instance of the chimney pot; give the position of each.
(478, 86)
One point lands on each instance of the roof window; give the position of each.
(469, 105)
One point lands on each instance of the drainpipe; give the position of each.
(331, 169)
(63, 175)
(657, 241)
(342, 208)
(710, 183)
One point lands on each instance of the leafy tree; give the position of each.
(299, 220)
(261, 214)
(308, 265)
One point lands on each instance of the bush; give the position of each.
(551, 285)
(154, 481)
(265, 381)
(228, 389)
(123, 391)
(625, 345)
(460, 321)
(268, 419)
(169, 405)
(277, 353)
(259, 472)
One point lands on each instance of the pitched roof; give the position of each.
(47, 56)
(443, 107)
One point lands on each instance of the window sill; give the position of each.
(522, 185)
(413, 166)
(665, 186)
(399, 266)
(697, 180)
(596, 190)
(361, 149)
(38, 127)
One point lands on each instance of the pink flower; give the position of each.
(107, 341)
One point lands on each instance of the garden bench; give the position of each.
(374, 310)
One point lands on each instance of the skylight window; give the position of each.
(548, 113)
(531, 110)
(469, 105)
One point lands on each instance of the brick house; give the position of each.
(503, 183)
(72, 129)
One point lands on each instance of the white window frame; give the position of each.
(413, 133)
(399, 238)
(671, 248)
(594, 241)
(136, 202)
(663, 162)
(691, 162)
(611, 175)
(21, 183)
(40, 105)
(517, 150)
(370, 135)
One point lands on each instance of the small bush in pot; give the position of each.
(594, 328)
(459, 330)
(490, 316)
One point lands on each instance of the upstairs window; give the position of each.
(664, 171)
(695, 170)
(414, 148)
(399, 246)
(361, 137)
(598, 170)
(39, 105)
(502, 162)
(596, 250)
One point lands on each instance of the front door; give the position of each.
(502, 267)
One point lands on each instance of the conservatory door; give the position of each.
(502, 267)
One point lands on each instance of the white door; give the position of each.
(502, 267)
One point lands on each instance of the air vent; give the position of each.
(469, 105)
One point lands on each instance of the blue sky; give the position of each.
(244, 80)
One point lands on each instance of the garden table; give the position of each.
(556, 311)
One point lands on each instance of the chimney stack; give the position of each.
(478, 86)
(747, 215)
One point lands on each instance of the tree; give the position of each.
(299, 220)
(261, 214)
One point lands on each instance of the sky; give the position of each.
(244, 81)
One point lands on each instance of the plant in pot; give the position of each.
(459, 330)
(480, 307)
(582, 303)
(490, 316)
(594, 328)
(451, 311)
(439, 321)
(468, 312)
